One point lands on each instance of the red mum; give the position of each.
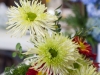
(84, 48)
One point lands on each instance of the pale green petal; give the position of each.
(56, 52)
(30, 16)
(85, 70)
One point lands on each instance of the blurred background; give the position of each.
(76, 15)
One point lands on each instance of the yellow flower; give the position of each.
(30, 15)
(54, 55)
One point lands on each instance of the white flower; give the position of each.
(30, 15)
(86, 70)
(56, 54)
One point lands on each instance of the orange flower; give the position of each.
(84, 48)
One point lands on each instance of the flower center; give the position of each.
(82, 45)
(31, 16)
(53, 53)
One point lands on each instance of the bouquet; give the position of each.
(53, 53)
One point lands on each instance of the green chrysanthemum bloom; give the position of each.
(85, 67)
(83, 61)
(29, 15)
(86, 70)
(55, 54)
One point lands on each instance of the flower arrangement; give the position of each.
(52, 53)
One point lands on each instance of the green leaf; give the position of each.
(18, 46)
(59, 7)
(57, 13)
(20, 56)
(59, 25)
(20, 49)
(59, 18)
(14, 54)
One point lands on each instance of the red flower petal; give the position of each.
(31, 71)
(96, 65)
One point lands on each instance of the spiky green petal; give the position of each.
(30, 15)
(55, 54)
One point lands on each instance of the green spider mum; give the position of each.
(32, 16)
(55, 55)
(86, 70)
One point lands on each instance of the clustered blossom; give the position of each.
(94, 22)
(85, 1)
(88, 1)
(53, 54)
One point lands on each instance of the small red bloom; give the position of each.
(31, 71)
(84, 48)
(96, 65)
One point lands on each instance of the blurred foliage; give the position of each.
(78, 22)
(58, 14)
(19, 70)
(94, 22)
